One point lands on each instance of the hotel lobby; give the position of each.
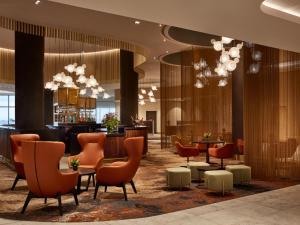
(146, 112)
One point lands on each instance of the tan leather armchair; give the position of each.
(41, 160)
(16, 150)
(121, 173)
(92, 150)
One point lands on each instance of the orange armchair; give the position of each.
(92, 153)
(42, 174)
(187, 152)
(16, 149)
(121, 173)
(226, 151)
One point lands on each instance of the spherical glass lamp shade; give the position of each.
(254, 68)
(222, 83)
(143, 91)
(202, 63)
(106, 95)
(224, 57)
(234, 52)
(227, 40)
(218, 46)
(95, 91)
(207, 72)
(101, 89)
(94, 96)
(199, 84)
(256, 55)
(150, 93)
(152, 99)
(154, 88)
(54, 87)
(59, 77)
(49, 85)
(67, 80)
(231, 65)
(81, 79)
(82, 91)
(80, 70)
(142, 102)
(221, 70)
(196, 66)
(71, 67)
(141, 96)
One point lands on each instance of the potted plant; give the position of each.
(111, 122)
(75, 164)
(207, 135)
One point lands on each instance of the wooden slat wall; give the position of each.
(271, 115)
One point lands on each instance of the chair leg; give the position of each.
(133, 186)
(124, 191)
(45, 200)
(222, 164)
(29, 197)
(75, 196)
(88, 183)
(93, 180)
(59, 204)
(96, 190)
(15, 182)
(105, 189)
(187, 159)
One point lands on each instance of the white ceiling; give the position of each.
(285, 9)
(240, 19)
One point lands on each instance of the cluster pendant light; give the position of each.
(88, 86)
(226, 64)
(150, 94)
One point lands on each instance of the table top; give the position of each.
(208, 142)
(81, 171)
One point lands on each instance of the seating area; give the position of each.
(144, 112)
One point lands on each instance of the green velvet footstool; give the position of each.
(219, 180)
(241, 173)
(195, 173)
(178, 177)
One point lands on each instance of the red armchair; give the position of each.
(42, 174)
(120, 173)
(16, 149)
(224, 152)
(187, 152)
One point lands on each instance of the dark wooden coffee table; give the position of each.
(83, 172)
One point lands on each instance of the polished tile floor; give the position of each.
(279, 207)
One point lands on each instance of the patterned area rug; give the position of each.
(153, 196)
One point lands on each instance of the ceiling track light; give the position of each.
(137, 22)
(37, 2)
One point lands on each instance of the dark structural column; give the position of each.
(29, 81)
(128, 88)
(238, 100)
(48, 106)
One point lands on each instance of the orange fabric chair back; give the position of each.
(92, 145)
(41, 164)
(16, 149)
(226, 151)
(134, 147)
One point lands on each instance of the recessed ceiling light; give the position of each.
(37, 2)
(137, 22)
(167, 51)
(154, 57)
(160, 25)
(165, 40)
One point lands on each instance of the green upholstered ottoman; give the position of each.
(178, 177)
(219, 180)
(195, 173)
(241, 173)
